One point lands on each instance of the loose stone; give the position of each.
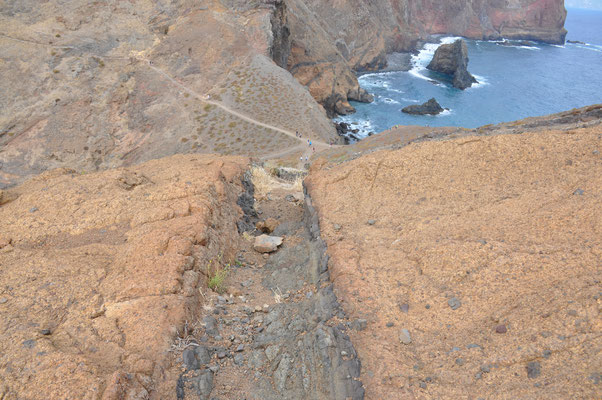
(533, 369)
(404, 336)
(454, 303)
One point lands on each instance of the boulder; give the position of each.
(452, 59)
(343, 107)
(359, 94)
(267, 244)
(267, 226)
(430, 107)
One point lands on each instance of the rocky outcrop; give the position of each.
(280, 49)
(361, 95)
(332, 41)
(492, 284)
(431, 107)
(452, 59)
(127, 83)
(101, 274)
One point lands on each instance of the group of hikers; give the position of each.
(309, 143)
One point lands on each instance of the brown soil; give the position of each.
(486, 249)
(101, 272)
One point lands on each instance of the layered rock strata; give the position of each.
(332, 41)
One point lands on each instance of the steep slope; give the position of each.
(79, 89)
(93, 87)
(472, 260)
(100, 274)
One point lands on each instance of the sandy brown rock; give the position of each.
(266, 243)
(82, 94)
(101, 271)
(268, 225)
(486, 249)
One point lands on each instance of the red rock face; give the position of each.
(331, 39)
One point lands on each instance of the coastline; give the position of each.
(383, 85)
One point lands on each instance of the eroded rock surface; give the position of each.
(92, 88)
(99, 274)
(474, 261)
(331, 40)
(452, 59)
(431, 107)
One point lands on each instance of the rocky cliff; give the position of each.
(331, 40)
(452, 59)
(100, 87)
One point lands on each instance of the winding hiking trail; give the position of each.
(303, 148)
(227, 109)
(308, 152)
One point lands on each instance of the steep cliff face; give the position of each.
(100, 87)
(331, 40)
(92, 88)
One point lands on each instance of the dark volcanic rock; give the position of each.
(430, 107)
(452, 59)
(360, 95)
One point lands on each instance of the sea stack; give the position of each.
(452, 59)
(431, 107)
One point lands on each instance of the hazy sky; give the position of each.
(591, 4)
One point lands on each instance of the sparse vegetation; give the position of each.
(217, 274)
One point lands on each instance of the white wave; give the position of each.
(375, 74)
(395, 90)
(391, 101)
(527, 47)
(423, 58)
(444, 113)
(591, 47)
(415, 72)
(557, 45)
(364, 126)
(517, 46)
(410, 100)
(481, 81)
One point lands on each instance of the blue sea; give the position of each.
(515, 82)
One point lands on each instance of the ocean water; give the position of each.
(514, 82)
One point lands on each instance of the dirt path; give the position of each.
(278, 332)
(224, 107)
